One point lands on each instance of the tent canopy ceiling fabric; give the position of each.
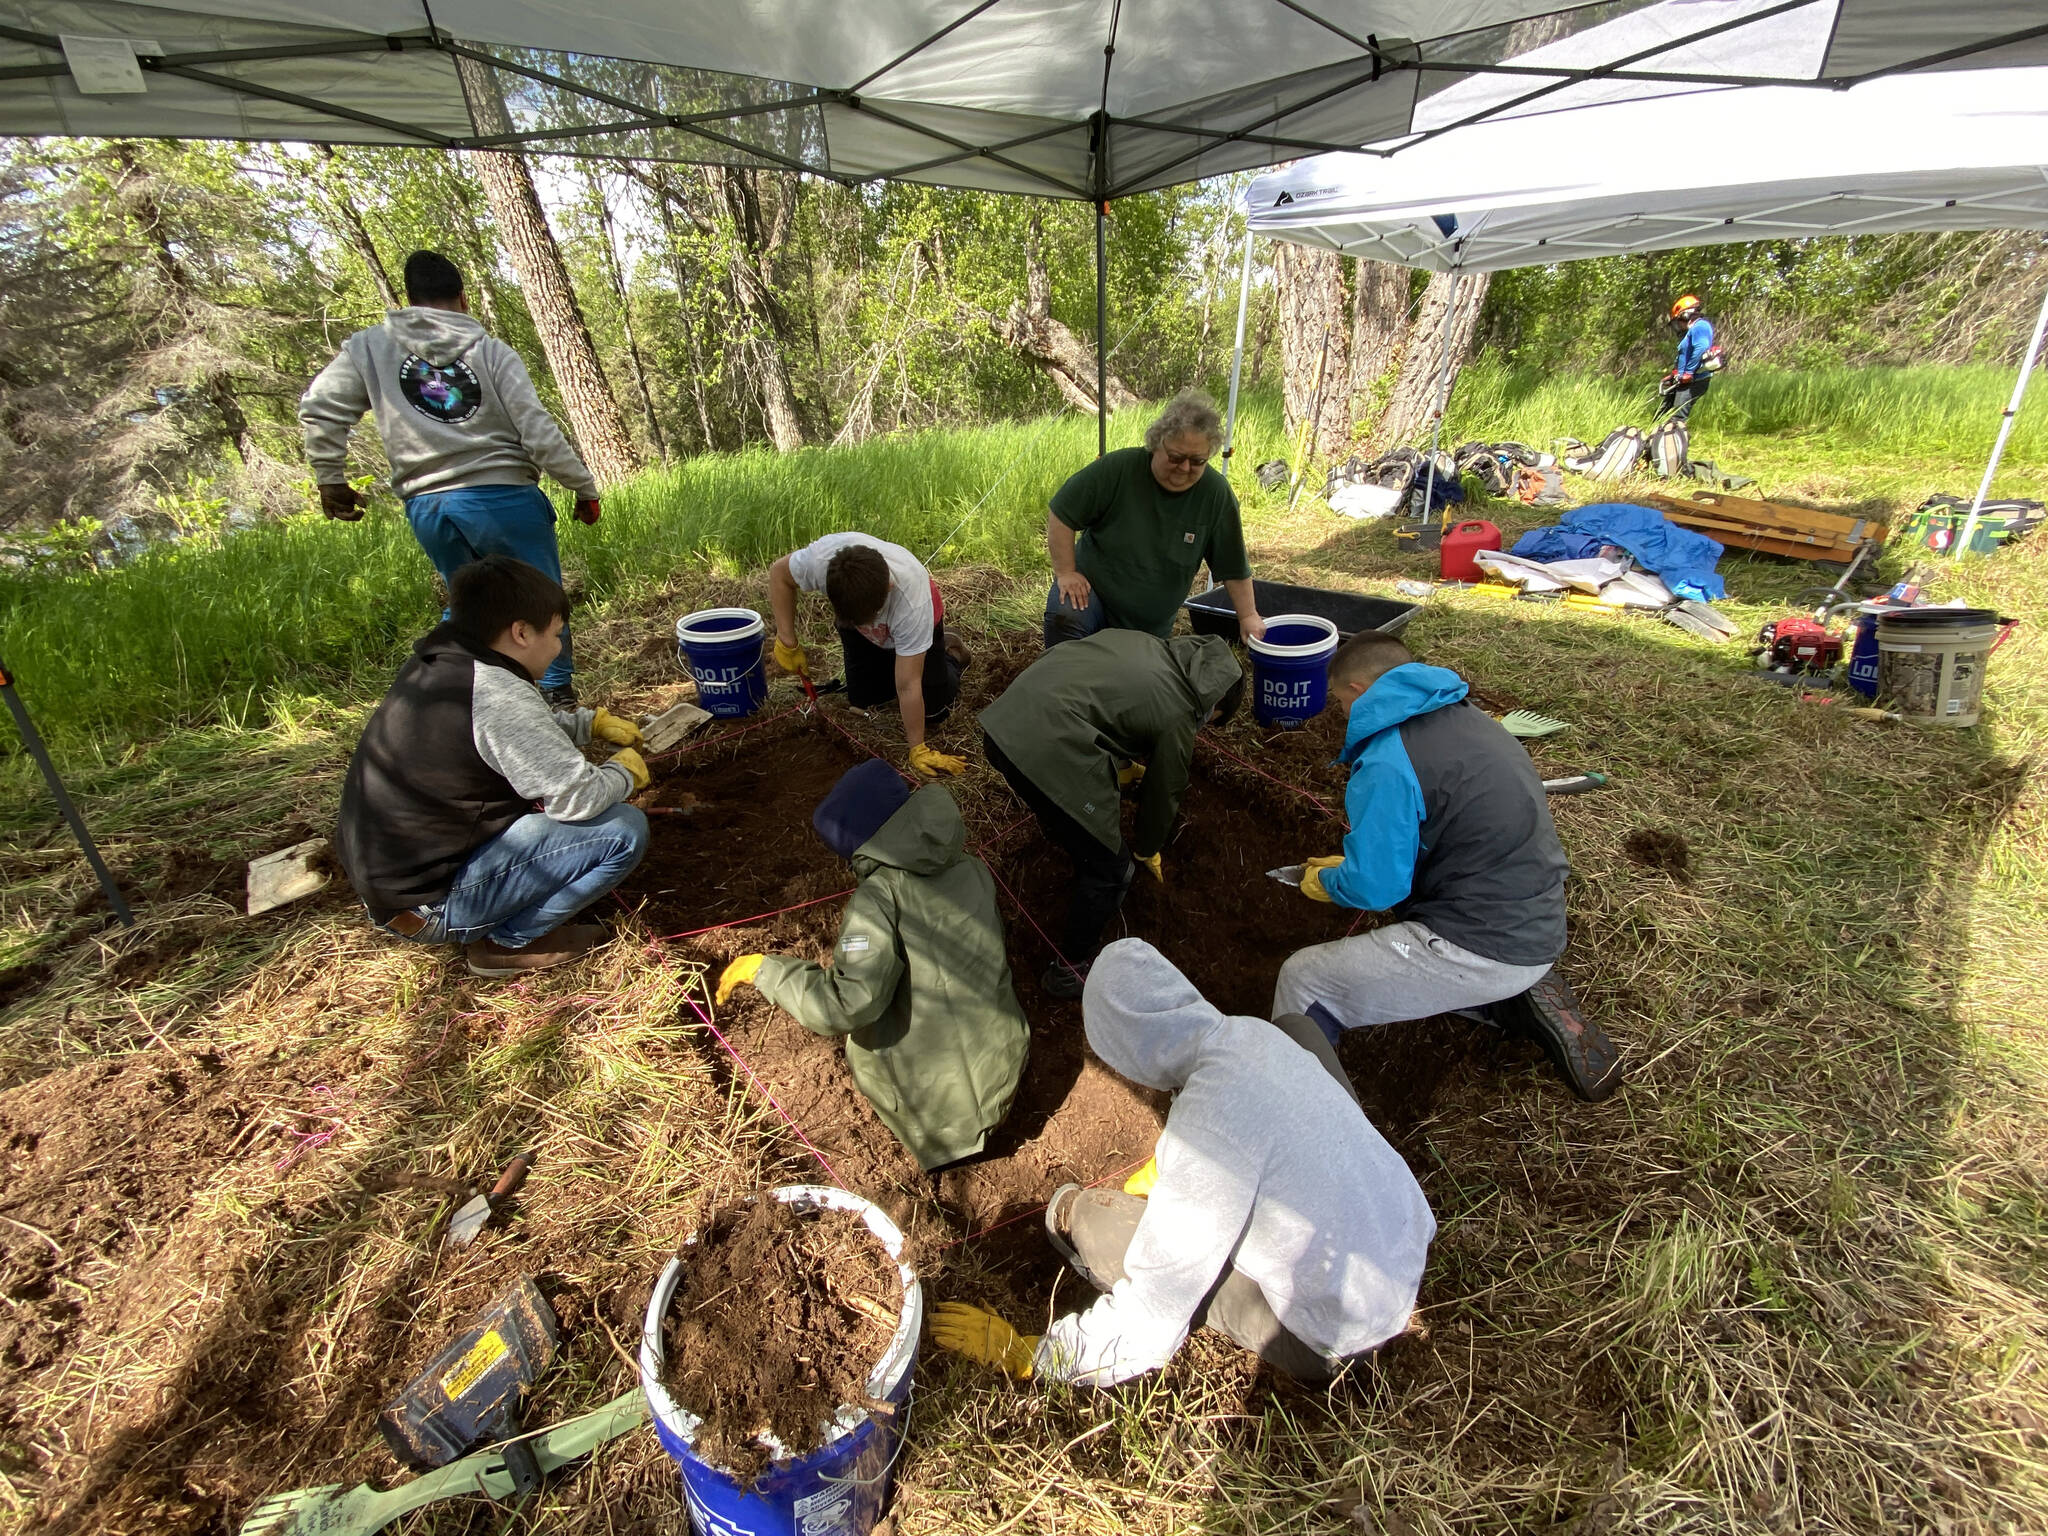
(1913, 152)
(1067, 98)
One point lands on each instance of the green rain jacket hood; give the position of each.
(1119, 695)
(919, 985)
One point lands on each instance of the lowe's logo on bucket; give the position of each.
(829, 1513)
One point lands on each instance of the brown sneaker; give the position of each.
(569, 942)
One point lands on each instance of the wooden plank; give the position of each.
(1778, 514)
(671, 726)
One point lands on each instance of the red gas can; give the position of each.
(1454, 559)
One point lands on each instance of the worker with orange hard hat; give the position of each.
(1697, 358)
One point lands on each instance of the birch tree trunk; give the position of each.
(602, 198)
(1312, 306)
(338, 200)
(1438, 328)
(564, 336)
(759, 227)
(1032, 331)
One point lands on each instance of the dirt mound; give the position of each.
(778, 1318)
(747, 850)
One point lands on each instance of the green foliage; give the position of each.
(1847, 299)
(1922, 412)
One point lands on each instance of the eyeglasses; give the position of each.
(1187, 460)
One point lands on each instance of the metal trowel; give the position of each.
(1288, 874)
(473, 1217)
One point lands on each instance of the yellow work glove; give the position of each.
(926, 760)
(1141, 1182)
(1152, 864)
(740, 973)
(635, 765)
(1130, 775)
(984, 1338)
(606, 726)
(791, 658)
(1312, 877)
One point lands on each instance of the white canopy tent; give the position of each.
(1913, 152)
(1090, 99)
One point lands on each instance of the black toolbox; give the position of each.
(1211, 614)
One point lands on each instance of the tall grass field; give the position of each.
(186, 636)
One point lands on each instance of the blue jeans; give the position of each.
(536, 875)
(456, 527)
(1066, 622)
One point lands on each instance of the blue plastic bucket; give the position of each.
(1863, 654)
(721, 649)
(839, 1489)
(1290, 669)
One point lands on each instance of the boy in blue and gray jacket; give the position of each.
(1451, 832)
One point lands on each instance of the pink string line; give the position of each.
(712, 741)
(1025, 911)
(787, 1118)
(1255, 768)
(670, 938)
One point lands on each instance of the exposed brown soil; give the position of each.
(748, 850)
(777, 1321)
(1659, 849)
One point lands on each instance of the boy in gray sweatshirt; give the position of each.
(466, 434)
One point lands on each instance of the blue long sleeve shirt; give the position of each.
(1692, 347)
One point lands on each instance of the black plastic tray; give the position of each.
(1211, 614)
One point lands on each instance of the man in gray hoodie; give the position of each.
(1279, 1216)
(466, 434)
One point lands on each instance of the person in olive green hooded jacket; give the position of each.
(1063, 733)
(919, 982)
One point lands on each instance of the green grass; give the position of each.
(1789, 1278)
(190, 635)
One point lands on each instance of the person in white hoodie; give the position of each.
(466, 434)
(1278, 1214)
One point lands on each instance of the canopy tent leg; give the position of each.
(33, 740)
(1101, 328)
(2012, 410)
(1244, 289)
(1443, 380)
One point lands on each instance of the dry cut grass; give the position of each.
(1789, 1279)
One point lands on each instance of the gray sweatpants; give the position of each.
(1403, 971)
(1102, 1222)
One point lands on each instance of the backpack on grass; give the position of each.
(1667, 448)
(1616, 456)
(1937, 523)
(1539, 487)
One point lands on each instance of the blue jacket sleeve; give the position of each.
(1698, 337)
(1384, 802)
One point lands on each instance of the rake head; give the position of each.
(1527, 724)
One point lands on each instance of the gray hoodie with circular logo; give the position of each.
(455, 407)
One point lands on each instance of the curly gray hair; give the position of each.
(1188, 411)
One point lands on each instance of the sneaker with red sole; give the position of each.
(1548, 1014)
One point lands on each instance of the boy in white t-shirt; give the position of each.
(891, 630)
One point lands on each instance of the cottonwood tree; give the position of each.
(1436, 346)
(550, 297)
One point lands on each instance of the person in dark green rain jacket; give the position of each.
(919, 981)
(1087, 718)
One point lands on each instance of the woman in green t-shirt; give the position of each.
(1128, 534)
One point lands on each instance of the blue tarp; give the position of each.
(1682, 559)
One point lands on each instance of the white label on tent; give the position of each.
(106, 66)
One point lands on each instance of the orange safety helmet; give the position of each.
(1686, 301)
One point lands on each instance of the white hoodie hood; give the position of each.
(1265, 1165)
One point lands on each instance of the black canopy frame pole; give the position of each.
(1098, 192)
(33, 740)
